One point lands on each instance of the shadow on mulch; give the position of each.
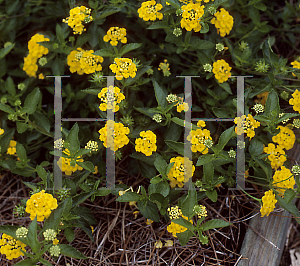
(120, 238)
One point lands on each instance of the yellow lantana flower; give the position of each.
(223, 22)
(123, 68)
(115, 34)
(269, 202)
(149, 11)
(221, 69)
(191, 16)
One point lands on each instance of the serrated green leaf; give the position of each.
(214, 223)
(129, 196)
(87, 166)
(256, 147)
(289, 195)
(59, 33)
(10, 86)
(21, 127)
(208, 171)
(189, 202)
(212, 195)
(72, 139)
(6, 108)
(41, 173)
(69, 251)
(21, 152)
(226, 87)
(183, 222)
(204, 159)
(149, 210)
(70, 234)
(82, 39)
(224, 138)
(104, 52)
(81, 198)
(197, 43)
(32, 101)
(142, 157)
(129, 47)
(158, 25)
(162, 188)
(26, 262)
(176, 146)
(183, 123)
(184, 237)
(290, 207)
(32, 236)
(160, 165)
(160, 94)
(107, 12)
(42, 121)
(4, 51)
(92, 91)
(102, 192)
(272, 104)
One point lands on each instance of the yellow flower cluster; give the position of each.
(65, 163)
(223, 22)
(247, 126)
(191, 16)
(296, 64)
(40, 204)
(146, 144)
(1, 131)
(284, 179)
(82, 61)
(179, 174)
(197, 138)
(174, 228)
(164, 67)
(262, 98)
(110, 101)
(181, 105)
(115, 34)
(35, 52)
(123, 67)
(276, 155)
(174, 212)
(11, 247)
(295, 101)
(78, 16)
(119, 139)
(149, 11)
(12, 147)
(285, 138)
(269, 202)
(221, 69)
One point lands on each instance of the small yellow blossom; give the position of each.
(295, 101)
(158, 244)
(283, 179)
(191, 16)
(115, 34)
(149, 11)
(123, 68)
(269, 202)
(221, 69)
(146, 144)
(164, 67)
(11, 247)
(110, 101)
(223, 22)
(246, 126)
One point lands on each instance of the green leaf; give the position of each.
(174, 3)
(81, 198)
(205, 28)
(6, 108)
(161, 165)
(58, 67)
(173, 132)
(160, 94)
(27, 262)
(104, 52)
(184, 237)
(176, 146)
(226, 87)
(197, 43)
(272, 107)
(32, 236)
(42, 121)
(204, 159)
(10, 86)
(142, 157)
(214, 223)
(212, 195)
(82, 39)
(183, 123)
(70, 234)
(6, 50)
(170, 165)
(69, 251)
(41, 173)
(129, 196)
(67, 206)
(9, 230)
(183, 222)
(254, 15)
(45, 262)
(92, 91)
(32, 101)
(156, 180)
(189, 202)
(289, 195)
(21, 152)
(290, 207)
(129, 47)
(102, 192)
(158, 199)
(256, 147)
(149, 210)
(21, 127)
(265, 166)
(72, 139)
(158, 25)
(107, 12)
(55, 217)
(87, 166)
(221, 112)
(208, 171)
(224, 138)
(59, 33)
(162, 188)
